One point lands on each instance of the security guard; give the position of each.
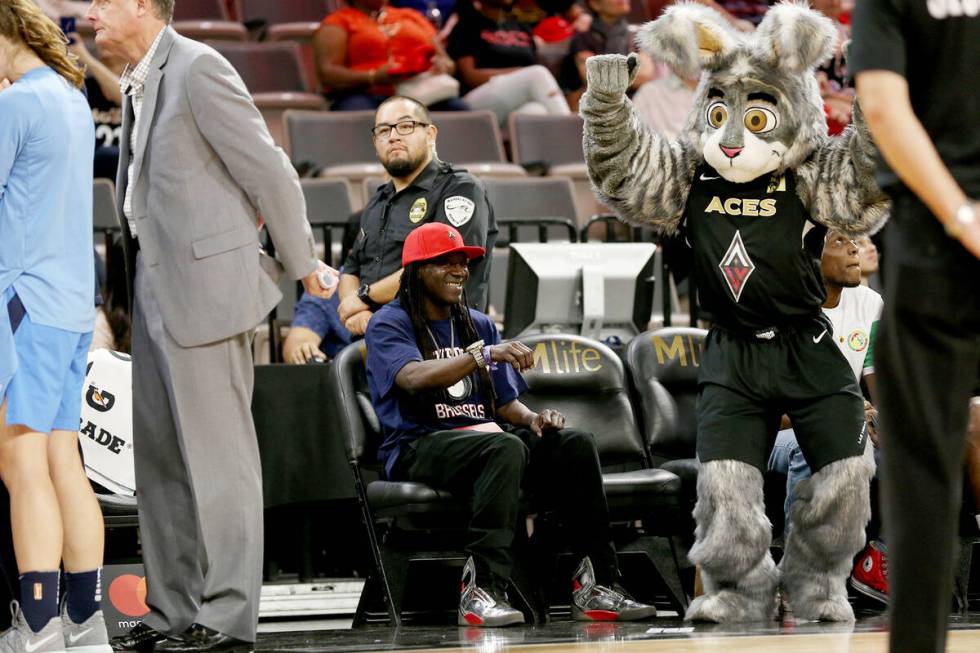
(422, 189)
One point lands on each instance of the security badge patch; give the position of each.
(417, 213)
(459, 210)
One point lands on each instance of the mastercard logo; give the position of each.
(127, 593)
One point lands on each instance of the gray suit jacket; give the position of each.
(204, 167)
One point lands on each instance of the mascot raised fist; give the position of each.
(752, 184)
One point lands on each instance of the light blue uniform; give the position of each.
(47, 141)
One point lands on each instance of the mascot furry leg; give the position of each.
(731, 545)
(828, 519)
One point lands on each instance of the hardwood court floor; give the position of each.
(962, 641)
(867, 635)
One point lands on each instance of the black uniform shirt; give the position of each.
(935, 45)
(752, 266)
(438, 194)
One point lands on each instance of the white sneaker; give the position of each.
(19, 638)
(88, 637)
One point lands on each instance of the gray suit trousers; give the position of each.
(198, 476)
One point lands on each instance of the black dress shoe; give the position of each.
(140, 638)
(198, 639)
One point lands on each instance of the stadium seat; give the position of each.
(403, 521)
(272, 74)
(211, 30)
(556, 143)
(328, 207)
(266, 67)
(275, 12)
(302, 35)
(471, 140)
(201, 10)
(527, 209)
(105, 219)
(337, 143)
(585, 380)
(551, 140)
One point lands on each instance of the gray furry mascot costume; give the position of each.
(751, 175)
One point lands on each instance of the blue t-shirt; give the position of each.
(391, 344)
(46, 142)
(320, 316)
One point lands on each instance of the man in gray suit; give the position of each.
(198, 172)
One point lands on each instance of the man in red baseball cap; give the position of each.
(445, 389)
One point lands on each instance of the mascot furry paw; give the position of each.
(752, 174)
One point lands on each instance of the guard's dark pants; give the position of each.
(559, 471)
(926, 360)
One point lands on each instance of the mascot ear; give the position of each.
(688, 37)
(795, 38)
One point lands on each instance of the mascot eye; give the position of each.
(760, 121)
(717, 114)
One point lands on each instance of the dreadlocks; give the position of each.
(410, 293)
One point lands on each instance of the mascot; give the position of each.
(752, 184)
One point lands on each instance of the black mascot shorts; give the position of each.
(748, 381)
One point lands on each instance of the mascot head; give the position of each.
(757, 108)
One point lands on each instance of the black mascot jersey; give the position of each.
(752, 265)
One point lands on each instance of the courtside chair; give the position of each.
(585, 380)
(404, 521)
(471, 140)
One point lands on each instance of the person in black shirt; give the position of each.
(496, 60)
(422, 189)
(915, 65)
(751, 184)
(105, 99)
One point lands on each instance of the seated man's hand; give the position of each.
(547, 420)
(513, 353)
(871, 417)
(358, 324)
(351, 306)
(301, 345)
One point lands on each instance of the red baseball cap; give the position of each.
(435, 239)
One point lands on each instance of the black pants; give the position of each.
(926, 361)
(559, 471)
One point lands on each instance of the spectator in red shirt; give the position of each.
(364, 51)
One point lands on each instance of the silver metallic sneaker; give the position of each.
(88, 637)
(477, 607)
(19, 638)
(591, 602)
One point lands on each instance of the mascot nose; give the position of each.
(731, 152)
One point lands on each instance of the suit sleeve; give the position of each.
(226, 116)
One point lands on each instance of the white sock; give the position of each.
(977, 517)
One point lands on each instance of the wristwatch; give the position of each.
(363, 293)
(476, 351)
(964, 217)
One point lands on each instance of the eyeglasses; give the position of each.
(404, 128)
